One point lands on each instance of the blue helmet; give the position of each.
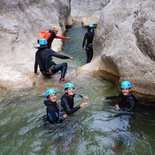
(69, 85)
(126, 84)
(42, 41)
(91, 25)
(49, 92)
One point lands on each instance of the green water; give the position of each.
(73, 46)
(96, 129)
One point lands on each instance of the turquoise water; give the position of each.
(96, 129)
(73, 46)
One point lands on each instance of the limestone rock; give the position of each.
(125, 43)
(20, 23)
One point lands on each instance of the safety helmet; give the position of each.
(42, 41)
(49, 92)
(126, 84)
(69, 85)
(91, 25)
(54, 28)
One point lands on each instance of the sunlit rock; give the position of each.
(124, 41)
(20, 23)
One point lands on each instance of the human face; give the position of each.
(55, 31)
(70, 91)
(53, 97)
(126, 91)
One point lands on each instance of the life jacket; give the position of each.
(44, 34)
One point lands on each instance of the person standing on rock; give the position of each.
(48, 67)
(67, 100)
(126, 100)
(87, 42)
(53, 34)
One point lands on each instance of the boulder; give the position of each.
(20, 23)
(124, 44)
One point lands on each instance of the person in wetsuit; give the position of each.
(52, 110)
(48, 67)
(87, 42)
(67, 100)
(53, 34)
(126, 100)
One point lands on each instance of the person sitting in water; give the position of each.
(52, 110)
(126, 100)
(67, 100)
(43, 58)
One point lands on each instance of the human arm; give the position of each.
(62, 37)
(61, 118)
(117, 101)
(84, 40)
(117, 107)
(61, 56)
(82, 96)
(83, 104)
(67, 108)
(63, 114)
(35, 65)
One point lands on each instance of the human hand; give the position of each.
(72, 58)
(82, 49)
(117, 107)
(67, 38)
(83, 104)
(64, 116)
(85, 97)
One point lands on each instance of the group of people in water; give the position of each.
(67, 104)
(44, 58)
(125, 102)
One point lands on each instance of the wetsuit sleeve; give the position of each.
(67, 107)
(78, 95)
(59, 55)
(35, 64)
(61, 37)
(118, 100)
(84, 40)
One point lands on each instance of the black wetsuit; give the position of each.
(127, 103)
(88, 39)
(67, 102)
(50, 39)
(43, 58)
(52, 112)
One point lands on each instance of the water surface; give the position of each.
(97, 129)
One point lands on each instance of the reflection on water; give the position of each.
(96, 129)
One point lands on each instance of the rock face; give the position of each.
(124, 44)
(87, 7)
(87, 11)
(20, 23)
